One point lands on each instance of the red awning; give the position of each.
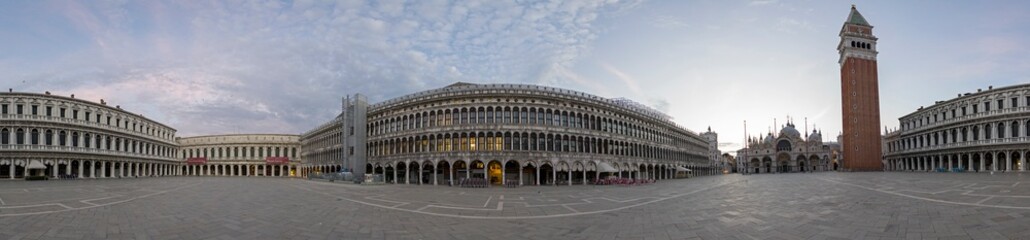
(196, 161)
(277, 160)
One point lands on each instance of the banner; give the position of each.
(277, 160)
(196, 161)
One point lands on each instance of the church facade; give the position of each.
(788, 151)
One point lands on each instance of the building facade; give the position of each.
(982, 131)
(74, 138)
(322, 148)
(714, 155)
(516, 134)
(240, 155)
(501, 133)
(785, 152)
(859, 94)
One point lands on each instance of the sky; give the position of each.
(252, 66)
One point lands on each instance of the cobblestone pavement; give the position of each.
(771, 206)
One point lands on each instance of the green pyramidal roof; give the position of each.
(856, 18)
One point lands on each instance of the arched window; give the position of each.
(48, 137)
(1001, 130)
(976, 133)
(490, 115)
(1015, 129)
(508, 143)
(75, 139)
(86, 140)
(525, 141)
(19, 136)
(35, 136)
(523, 115)
(5, 136)
(482, 115)
(783, 145)
(62, 138)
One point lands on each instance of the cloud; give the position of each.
(631, 83)
(669, 22)
(761, 2)
(281, 67)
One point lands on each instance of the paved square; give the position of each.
(771, 206)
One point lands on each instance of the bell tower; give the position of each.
(860, 100)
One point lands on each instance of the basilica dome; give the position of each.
(815, 136)
(789, 131)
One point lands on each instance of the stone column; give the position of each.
(420, 170)
(584, 176)
(983, 163)
(80, 169)
(1008, 162)
(92, 169)
(951, 165)
(11, 168)
(395, 174)
(570, 176)
(994, 161)
(68, 168)
(103, 169)
(1022, 161)
(538, 175)
(520, 174)
(554, 176)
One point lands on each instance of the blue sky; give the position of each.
(213, 67)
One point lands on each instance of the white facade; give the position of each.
(982, 131)
(240, 155)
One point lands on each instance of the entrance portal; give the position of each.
(494, 169)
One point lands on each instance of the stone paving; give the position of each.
(771, 206)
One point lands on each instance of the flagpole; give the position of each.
(745, 147)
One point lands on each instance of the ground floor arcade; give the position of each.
(1000, 160)
(513, 172)
(242, 169)
(16, 168)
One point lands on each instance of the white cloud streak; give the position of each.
(272, 66)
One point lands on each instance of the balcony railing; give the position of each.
(1008, 110)
(981, 142)
(83, 150)
(81, 122)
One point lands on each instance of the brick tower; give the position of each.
(860, 100)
